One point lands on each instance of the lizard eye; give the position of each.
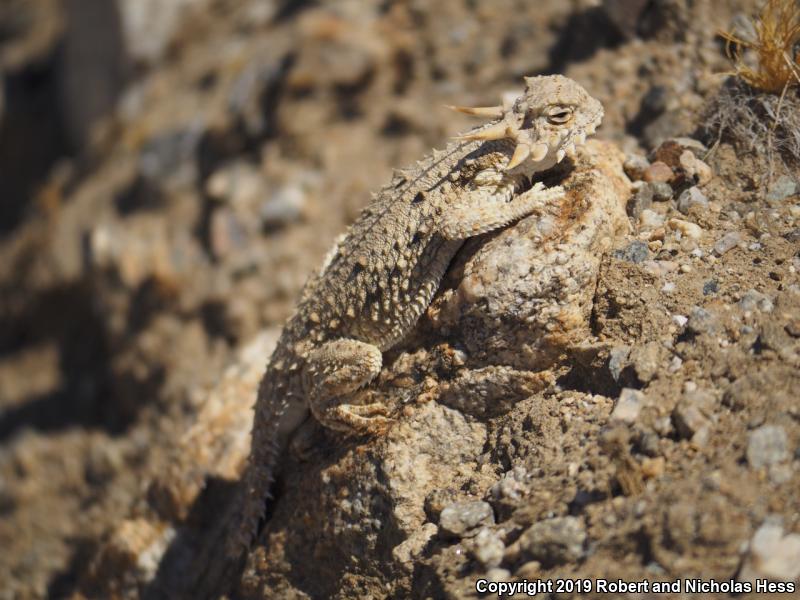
(559, 116)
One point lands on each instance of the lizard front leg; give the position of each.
(334, 372)
(483, 212)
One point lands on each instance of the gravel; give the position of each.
(727, 242)
(628, 406)
(767, 446)
(461, 519)
(554, 541)
(692, 198)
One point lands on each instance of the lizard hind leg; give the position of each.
(334, 374)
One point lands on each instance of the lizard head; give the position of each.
(547, 122)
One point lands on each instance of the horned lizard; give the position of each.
(383, 273)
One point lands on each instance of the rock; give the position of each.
(618, 360)
(488, 548)
(662, 191)
(691, 416)
(405, 552)
(767, 446)
(461, 519)
(753, 300)
(793, 236)
(628, 406)
(150, 25)
(772, 555)
(137, 547)
(692, 198)
(641, 200)
(226, 233)
(646, 360)
(653, 468)
(512, 486)
(697, 147)
(635, 166)
(690, 230)
(172, 152)
(658, 172)
(239, 184)
(694, 169)
(793, 328)
(283, 207)
(635, 252)
(702, 321)
(552, 542)
(727, 242)
(710, 287)
(782, 188)
(650, 219)
(625, 14)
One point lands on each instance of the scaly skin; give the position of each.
(383, 273)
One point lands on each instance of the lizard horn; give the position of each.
(493, 112)
(539, 152)
(498, 131)
(521, 152)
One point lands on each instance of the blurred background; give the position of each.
(172, 170)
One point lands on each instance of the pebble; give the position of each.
(793, 328)
(512, 486)
(650, 219)
(489, 548)
(710, 287)
(701, 321)
(652, 468)
(767, 446)
(689, 415)
(618, 360)
(662, 191)
(238, 184)
(695, 169)
(692, 144)
(554, 541)
(782, 188)
(641, 200)
(668, 287)
(727, 242)
(635, 166)
(646, 359)
(692, 198)
(497, 575)
(753, 300)
(793, 236)
(658, 172)
(283, 207)
(162, 155)
(690, 230)
(679, 320)
(225, 232)
(635, 252)
(461, 519)
(772, 555)
(628, 406)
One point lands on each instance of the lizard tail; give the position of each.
(259, 474)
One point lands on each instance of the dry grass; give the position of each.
(775, 46)
(758, 109)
